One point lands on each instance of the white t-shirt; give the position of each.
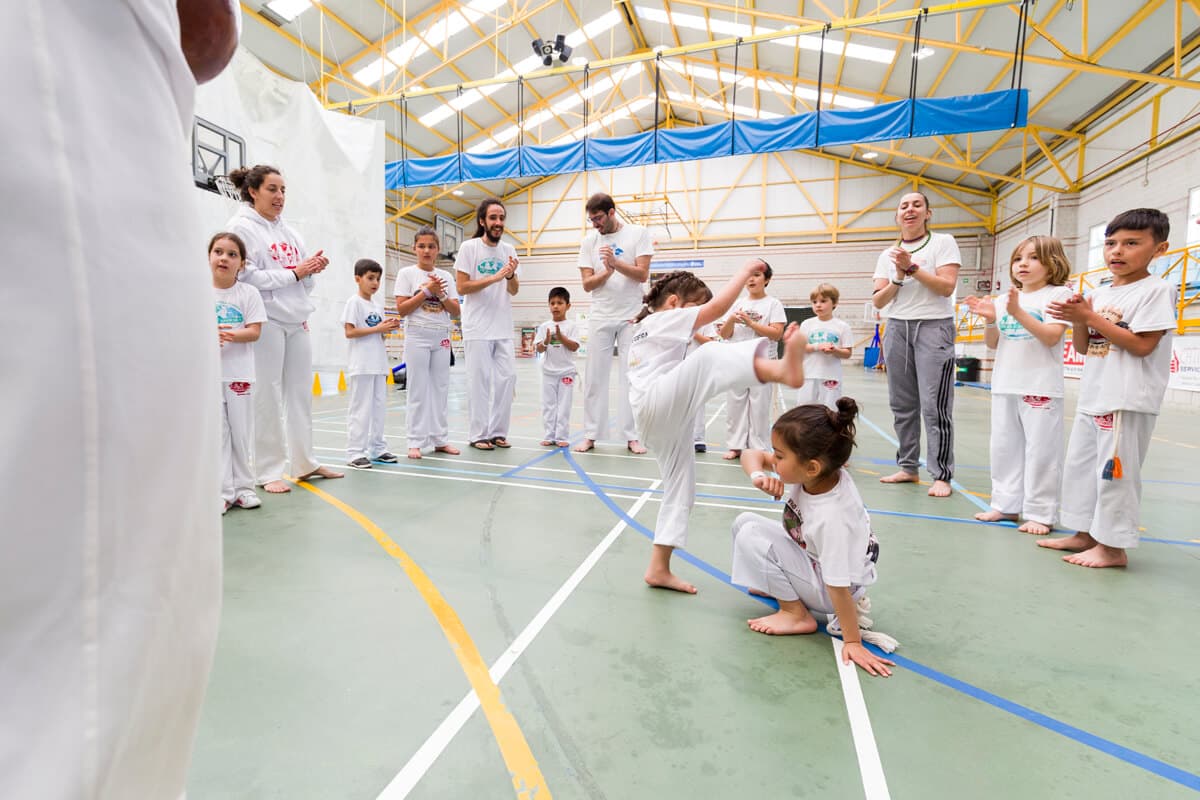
(431, 313)
(238, 306)
(1115, 380)
(486, 314)
(711, 330)
(825, 366)
(368, 355)
(621, 296)
(834, 530)
(913, 300)
(765, 310)
(1024, 365)
(660, 341)
(557, 360)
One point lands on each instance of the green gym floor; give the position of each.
(357, 621)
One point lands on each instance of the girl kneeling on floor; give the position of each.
(821, 559)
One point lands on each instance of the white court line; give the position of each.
(420, 762)
(869, 766)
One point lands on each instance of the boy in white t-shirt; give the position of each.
(557, 340)
(829, 344)
(240, 317)
(1125, 330)
(749, 410)
(367, 370)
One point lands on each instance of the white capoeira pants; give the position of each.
(491, 379)
(427, 360)
(766, 560)
(700, 428)
(666, 416)
(1027, 455)
(366, 417)
(557, 391)
(749, 414)
(603, 334)
(1109, 510)
(110, 534)
(283, 401)
(822, 391)
(237, 439)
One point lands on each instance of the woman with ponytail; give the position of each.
(820, 560)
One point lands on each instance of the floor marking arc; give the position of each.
(528, 782)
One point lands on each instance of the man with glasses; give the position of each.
(614, 261)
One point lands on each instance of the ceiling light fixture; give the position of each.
(870, 155)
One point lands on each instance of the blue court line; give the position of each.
(974, 385)
(962, 490)
(593, 485)
(1152, 765)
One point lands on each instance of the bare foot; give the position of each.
(940, 489)
(1099, 556)
(322, 472)
(732, 455)
(276, 487)
(668, 580)
(585, 445)
(547, 443)
(562, 443)
(784, 623)
(414, 452)
(794, 346)
(448, 449)
(635, 447)
(995, 516)
(1080, 541)
(900, 477)
(1036, 528)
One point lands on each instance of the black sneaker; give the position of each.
(701, 447)
(386, 458)
(359, 463)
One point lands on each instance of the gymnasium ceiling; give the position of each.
(1082, 58)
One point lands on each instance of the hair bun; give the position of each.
(847, 410)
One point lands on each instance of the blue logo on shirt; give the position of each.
(822, 337)
(1010, 328)
(489, 266)
(373, 319)
(229, 315)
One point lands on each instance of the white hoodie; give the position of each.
(273, 250)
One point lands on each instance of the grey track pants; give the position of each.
(920, 369)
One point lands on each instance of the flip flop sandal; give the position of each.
(500, 441)
(482, 444)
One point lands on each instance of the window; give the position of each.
(1095, 256)
(1193, 223)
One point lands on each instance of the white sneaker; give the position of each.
(247, 499)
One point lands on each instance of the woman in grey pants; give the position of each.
(917, 276)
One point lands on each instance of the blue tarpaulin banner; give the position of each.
(902, 119)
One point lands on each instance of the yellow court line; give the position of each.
(528, 782)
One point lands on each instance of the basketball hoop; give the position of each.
(227, 189)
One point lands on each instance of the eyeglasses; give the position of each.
(594, 218)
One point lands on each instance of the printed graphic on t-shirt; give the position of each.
(824, 336)
(793, 522)
(433, 306)
(489, 266)
(1011, 329)
(229, 315)
(1097, 345)
(373, 319)
(751, 315)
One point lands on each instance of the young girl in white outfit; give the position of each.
(240, 317)
(748, 410)
(667, 391)
(1027, 386)
(426, 299)
(821, 558)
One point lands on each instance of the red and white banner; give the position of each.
(1185, 363)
